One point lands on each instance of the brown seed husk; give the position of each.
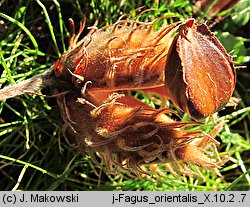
(126, 55)
(130, 138)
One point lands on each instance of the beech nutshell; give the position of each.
(200, 76)
(182, 61)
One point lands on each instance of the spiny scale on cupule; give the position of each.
(128, 54)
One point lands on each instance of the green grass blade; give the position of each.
(47, 19)
(33, 40)
(28, 165)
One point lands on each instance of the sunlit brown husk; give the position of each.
(130, 137)
(126, 55)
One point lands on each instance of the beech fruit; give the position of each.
(183, 61)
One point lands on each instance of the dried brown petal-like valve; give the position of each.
(130, 137)
(127, 55)
(199, 74)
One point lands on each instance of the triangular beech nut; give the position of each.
(200, 75)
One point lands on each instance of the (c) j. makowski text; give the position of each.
(45, 198)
